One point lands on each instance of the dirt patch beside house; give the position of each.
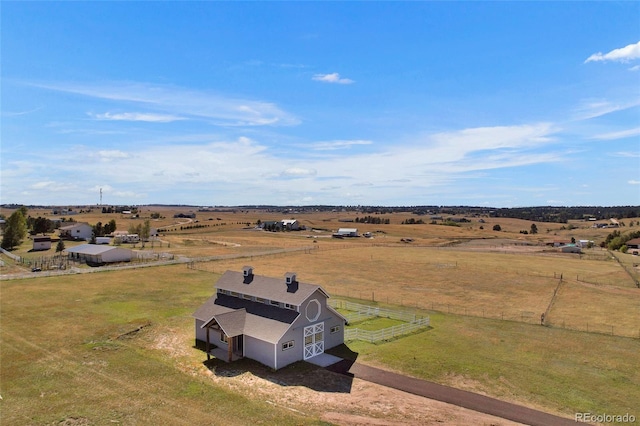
(309, 390)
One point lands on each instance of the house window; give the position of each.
(260, 300)
(288, 306)
(275, 303)
(234, 294)
(246, 296)
(287, 345)
(335, 329)
(224, 338)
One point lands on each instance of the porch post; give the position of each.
(208, 346)
(230, 342)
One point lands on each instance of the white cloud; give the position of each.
(623, 54)
(489, 138)
(112, 154)
(176, 102)
(298, 172)
(596, 108)
(52, 186)
(137, 116)
(332, 78)
(618, 135)
(626, 154)
(338, 144)
(635, 68)
(634, 182)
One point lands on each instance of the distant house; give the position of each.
(346, 232)
(634, 243)
(273, 321)
(95, 254)
(41, 243)
(633, 246)
(76, 231)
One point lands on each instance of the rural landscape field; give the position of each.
(114, 344)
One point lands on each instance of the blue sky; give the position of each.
(498, 104)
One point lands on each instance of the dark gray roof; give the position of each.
(232, 323)
(267, 287)
(238, 316)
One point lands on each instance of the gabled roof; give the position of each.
(232, 323)
(634, 241)
(239, 316)
(74, 225)
(91, 249)
(267, 288)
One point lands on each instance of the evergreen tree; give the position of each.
(15, 229)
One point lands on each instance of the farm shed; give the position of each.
(347, 232)
(99, 254)
(273, 321)
(41, 243)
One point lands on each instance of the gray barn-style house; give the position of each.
(270, 320)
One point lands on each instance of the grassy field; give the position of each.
(102, 347)
(80, 349)
(118, 348)
(551, 369)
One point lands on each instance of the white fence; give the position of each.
(385, 333)
(363, 312)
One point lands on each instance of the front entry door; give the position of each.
(313, 340)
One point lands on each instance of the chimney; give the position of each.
(247, 273)
(292, 283)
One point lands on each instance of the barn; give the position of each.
(95, 254)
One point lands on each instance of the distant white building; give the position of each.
(99, 254)
(41, 243)
(290, 224)
(347, 232)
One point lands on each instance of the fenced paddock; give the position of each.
(359, 312)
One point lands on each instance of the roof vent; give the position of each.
(247, 272)
(292, 283)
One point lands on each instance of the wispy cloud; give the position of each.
(596, 108)
(618, 135)
(626, 154)
(623, 54)
(137, 116)
(53, 186)
(336, 145)
(171, 101)
(19, 113)
(112, 154)
(332, 78)
(635, 68)
(633, 182)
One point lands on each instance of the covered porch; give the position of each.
(229, 327)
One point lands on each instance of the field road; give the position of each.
(461, 398)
